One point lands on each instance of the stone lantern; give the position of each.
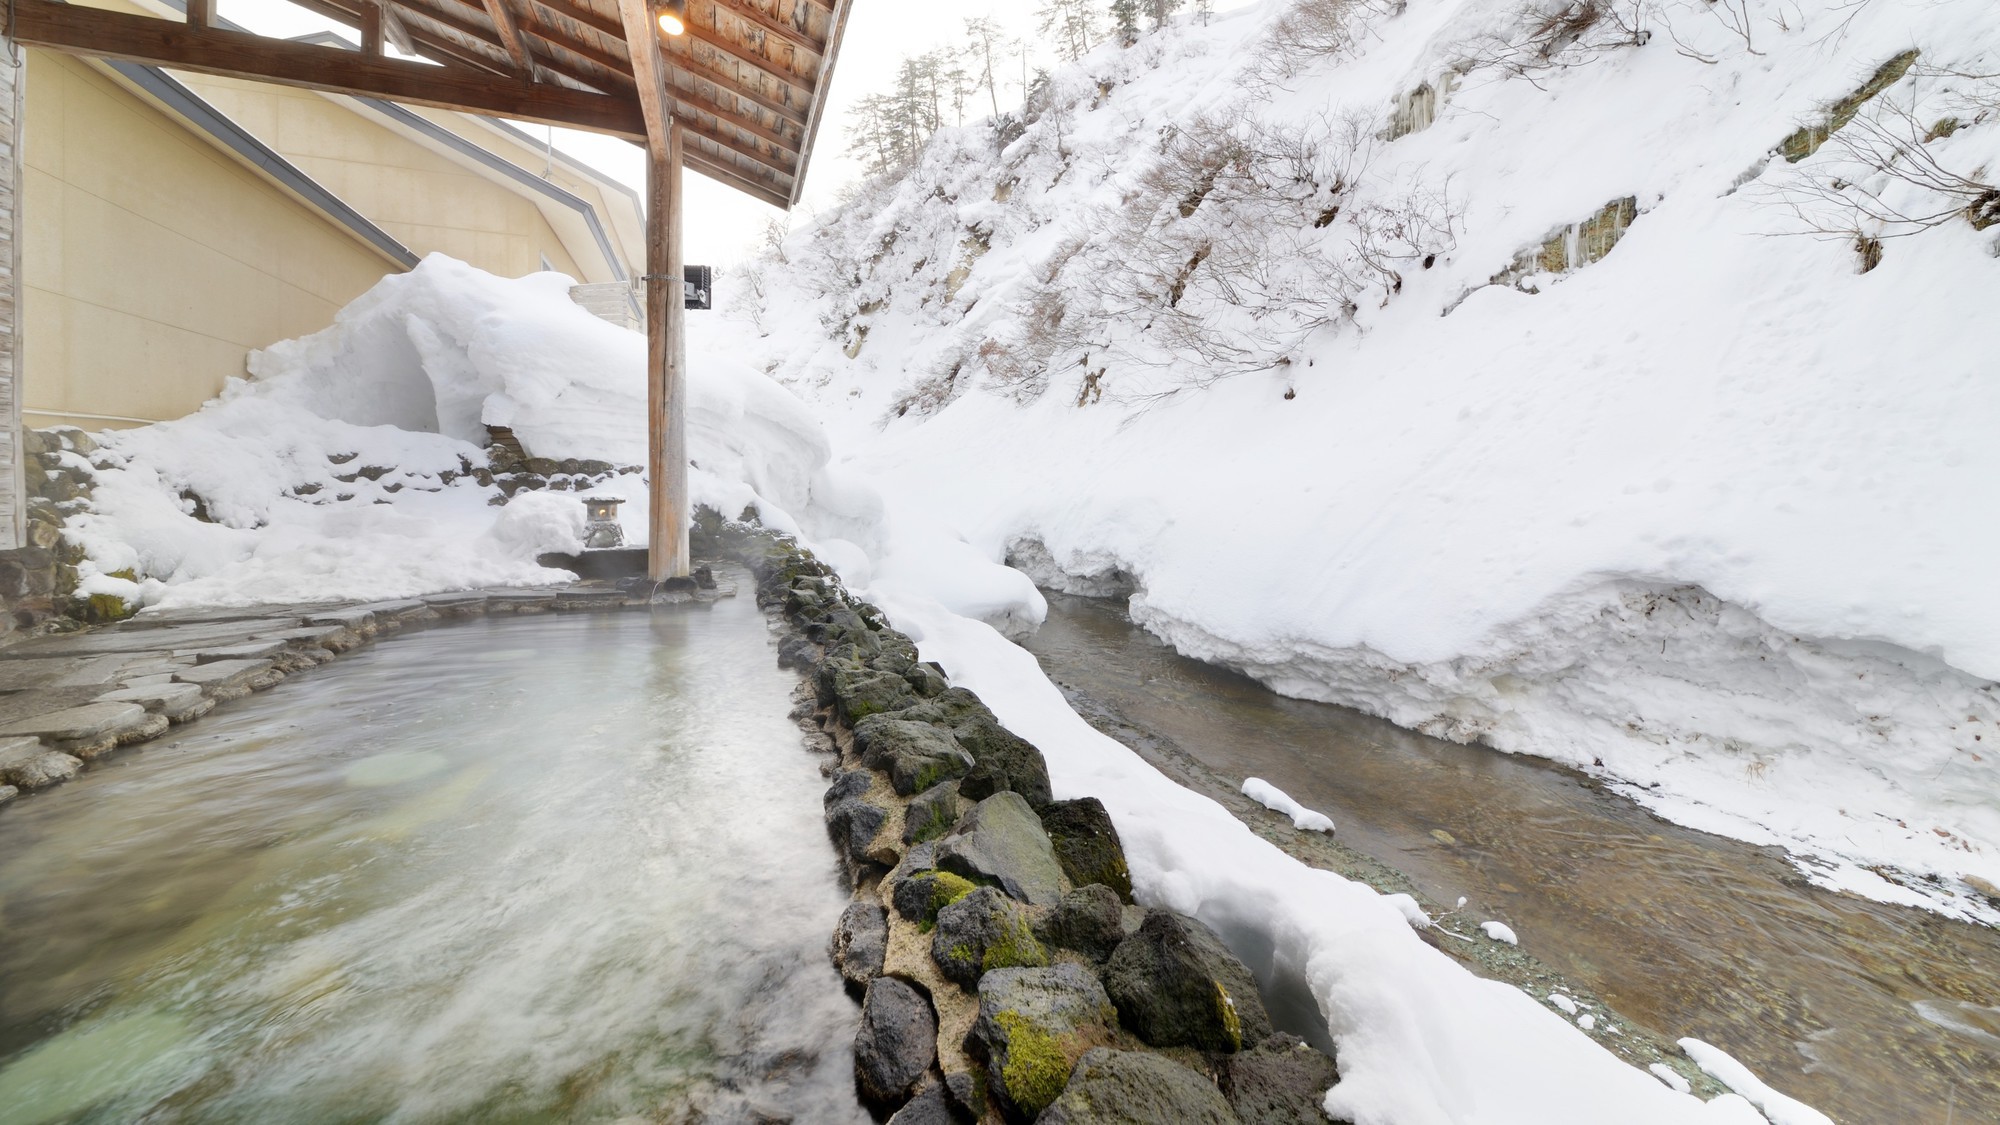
(602, 530)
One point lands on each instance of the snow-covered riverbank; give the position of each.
(1702, 514)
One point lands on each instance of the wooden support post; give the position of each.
(666, 361)
(13, 468)
(200, 13)
(371, 30)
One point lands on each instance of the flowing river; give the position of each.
(1874, 1014)
(560, 868)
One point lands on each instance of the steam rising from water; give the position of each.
(582, 881)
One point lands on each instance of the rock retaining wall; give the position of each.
(1004, 973)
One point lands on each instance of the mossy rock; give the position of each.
(931, 814)
(916, 756)
(1177, 985)
(981, 932)
(1110, 1087)
(1087, 844)
(919, 897)
(1033, 1026)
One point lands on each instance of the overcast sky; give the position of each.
(725, 226)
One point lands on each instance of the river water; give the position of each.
(1874, 1014)
(560, 868)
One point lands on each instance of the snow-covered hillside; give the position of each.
(1492, 366)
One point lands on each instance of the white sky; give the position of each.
(725, 226)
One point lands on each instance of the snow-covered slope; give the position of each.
(1302, 326)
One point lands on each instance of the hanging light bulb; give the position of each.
(673, 17)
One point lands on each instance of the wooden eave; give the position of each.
(746, 85)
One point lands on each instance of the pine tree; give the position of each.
(1073, 23)
(985, 44)
(1125, 18)
(1160, 10)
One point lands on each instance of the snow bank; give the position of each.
(343, 468)
(1778, 1109)
(1421, 1040)
(1699, 517)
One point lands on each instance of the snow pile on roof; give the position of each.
(1467, 364)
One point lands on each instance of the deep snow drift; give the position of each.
(1421, 1040)
(1302, 330)
(344, 468)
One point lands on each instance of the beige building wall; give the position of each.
(426, 201)
(154, 262)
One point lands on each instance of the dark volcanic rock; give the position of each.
(1033, 1026)
(897, 1042)
(985, 930)
(1132, 1088)
(853, 824)
(1088, 920)
(1002, 760)
(919, 897)
(1281, 1081)
(927, 1108)
(860, 941)
(1087, 845)
(1177, 985)
(846, 784)
(856, 691)
(1000, 840)
(916, 756)
(931, 814)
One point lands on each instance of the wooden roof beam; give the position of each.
(510, 37)
(78, 30)
(411, 42)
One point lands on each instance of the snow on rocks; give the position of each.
(1778, 1109)
(1500, 932)
(1278, 801)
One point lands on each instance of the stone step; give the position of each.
(77, 724)
(168, 699)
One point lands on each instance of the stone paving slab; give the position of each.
(118, 640)
(250, 650)
(27, 764)
(336, 637)
(92, 720)
(222, 672)
(166, 698)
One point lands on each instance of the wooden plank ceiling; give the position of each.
(747, 82)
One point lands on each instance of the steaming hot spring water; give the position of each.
(554, 868)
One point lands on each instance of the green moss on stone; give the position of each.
(1231, 1025)
(1037, 1069)
(1014, 947)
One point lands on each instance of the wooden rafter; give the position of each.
(511, 38)
(92, 31)
(719, 43)
(756, 18)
